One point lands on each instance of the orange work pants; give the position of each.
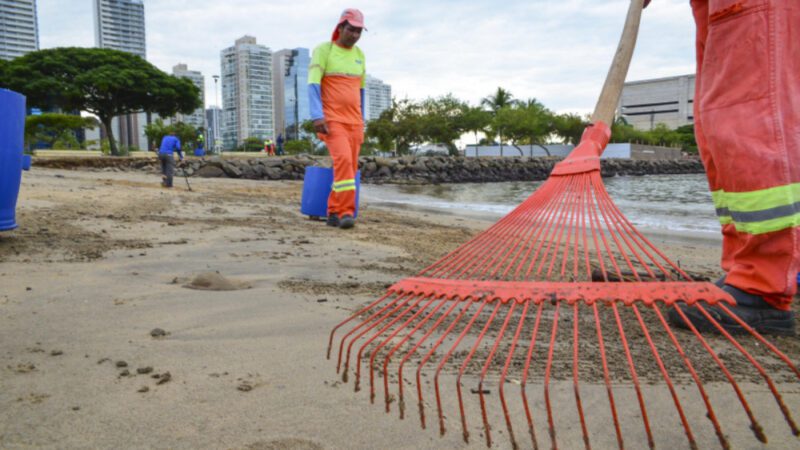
(747, 124)
(344, 144)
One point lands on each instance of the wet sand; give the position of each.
(113, 334)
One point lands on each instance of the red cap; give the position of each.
(352, 16)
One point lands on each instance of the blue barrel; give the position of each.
(317, 184)
(798, 279)
(26, 162)
(12, 131)
(199, 151)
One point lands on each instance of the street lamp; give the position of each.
(216, 114)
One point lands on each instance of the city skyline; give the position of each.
(535, 49)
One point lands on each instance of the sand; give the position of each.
(137, 317)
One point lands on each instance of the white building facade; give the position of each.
(247, 109)
(197, 118)
(647, 103)
(19, 30)
(377, 98)
(119, 25)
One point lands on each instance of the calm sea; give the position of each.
(671, 202)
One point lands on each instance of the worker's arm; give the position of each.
(178, 148)
(316, 70)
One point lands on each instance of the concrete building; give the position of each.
(290, 87)
(377, 98)
(213, 118)
(119, 25)
(247, 108)
(647, 103)
(19, 30)
(197, 118)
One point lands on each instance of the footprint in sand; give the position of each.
(214, 281)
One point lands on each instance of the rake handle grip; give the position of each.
(609, 96)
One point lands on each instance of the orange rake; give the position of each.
(492, 313)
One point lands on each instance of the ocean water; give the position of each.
(670, 202)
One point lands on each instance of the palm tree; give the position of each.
(499, 99)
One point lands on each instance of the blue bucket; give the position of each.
(26, 162)
(12, 131)
(199, 151)
(317, 184)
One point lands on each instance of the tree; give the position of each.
(104, 82)
(500, 99)
(399, 127)
(475, 120)
(441, 121)
(525, 123)
(569, 127)
(50, 128)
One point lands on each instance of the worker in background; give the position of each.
(336, 81)
(269, 147)
(747, 125)
(169, 144)
(279, 150)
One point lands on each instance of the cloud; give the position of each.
(555, 51)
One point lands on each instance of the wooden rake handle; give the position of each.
(612, 89)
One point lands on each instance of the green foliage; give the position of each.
(569, 127)
(524, 122)
(104, 82)
(298, 146)
(186, 133)
(56, 130)
(251, 144)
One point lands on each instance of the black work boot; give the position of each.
(333, 220)
(752, 309)
(347, 222)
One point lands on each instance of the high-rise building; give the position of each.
(196, 118)
(19, 32)
(647, 103)
(119, 25)
(213, 117)
(246, 70)
(377, 98)
(290, 87)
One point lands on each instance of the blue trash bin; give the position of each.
(317, 184)
(199, 151)
(26, 162)
(12, 130)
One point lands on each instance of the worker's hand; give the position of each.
(320, 126)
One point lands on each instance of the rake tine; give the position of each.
(502, 382)
(575, 348)
(466, 363)
(667, 379)
(356, 314)
(375, 336)
(550, 422)
(467, 305)
(524, 380)
(786, 414)
(711, 415)
(650, 441)
(486, 366)
(401, 401)
(400, 344)
(754, 425)
(398, 306)
(606, 376)
(444, 360)
(362, 324)
(383, 343)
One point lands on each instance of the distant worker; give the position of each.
(200, 150)
(269, 147)
(169, 144)
(336, 81)
(747, 125)
(279, 150)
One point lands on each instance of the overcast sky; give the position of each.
(556, 51)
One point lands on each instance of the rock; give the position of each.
(164, 378)
(121, 364)
(143, 389)
(56, 353)
(144, 370)
(157, 333)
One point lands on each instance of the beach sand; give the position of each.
(114, 332)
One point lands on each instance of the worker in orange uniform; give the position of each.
(336, 81)
(747, 124)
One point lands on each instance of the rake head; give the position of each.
(563, 295)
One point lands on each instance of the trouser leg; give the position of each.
(747, 121)
(167, 168)
(344, 143)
